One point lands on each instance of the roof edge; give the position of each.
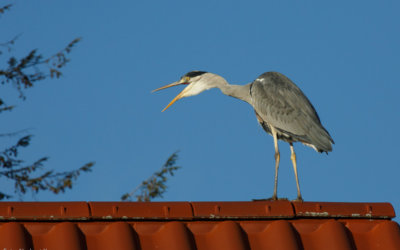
(216, 210)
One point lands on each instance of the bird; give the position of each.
(281, 108)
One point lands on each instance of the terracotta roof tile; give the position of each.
(44, 210)
(245, 209)
(141, 210)
(197, 225)
(341, 209)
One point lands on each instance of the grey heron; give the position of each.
(280, 107)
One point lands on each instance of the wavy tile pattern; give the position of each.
(218, 225)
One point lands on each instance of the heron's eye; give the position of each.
(186, 79)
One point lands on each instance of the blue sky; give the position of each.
(344, 55)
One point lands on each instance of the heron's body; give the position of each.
(279, 103)
(280, 107)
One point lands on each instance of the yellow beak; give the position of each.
(179, 96)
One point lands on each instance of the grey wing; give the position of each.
(281, 104)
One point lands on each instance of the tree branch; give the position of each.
(155, 186)
(24, 72)
(22, 176)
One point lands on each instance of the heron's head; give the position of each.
(196, 81)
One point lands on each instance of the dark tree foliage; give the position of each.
(24, 73)
(155, 186)
(5, 8)
(21, 174)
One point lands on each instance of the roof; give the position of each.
(197, 225)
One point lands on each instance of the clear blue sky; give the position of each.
(344, 55)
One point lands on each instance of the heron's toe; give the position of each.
(273, 198)
(298, 199)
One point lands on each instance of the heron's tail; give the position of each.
(321, 140)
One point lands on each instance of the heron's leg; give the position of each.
(293, 158)
(277, 158)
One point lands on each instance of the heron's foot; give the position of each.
(273, 198)
(299, 199)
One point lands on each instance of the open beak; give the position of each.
(179, 96)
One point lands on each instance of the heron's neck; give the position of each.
(241, 92)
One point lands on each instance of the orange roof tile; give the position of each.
(197, 225)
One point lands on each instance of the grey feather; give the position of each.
(278, 102)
